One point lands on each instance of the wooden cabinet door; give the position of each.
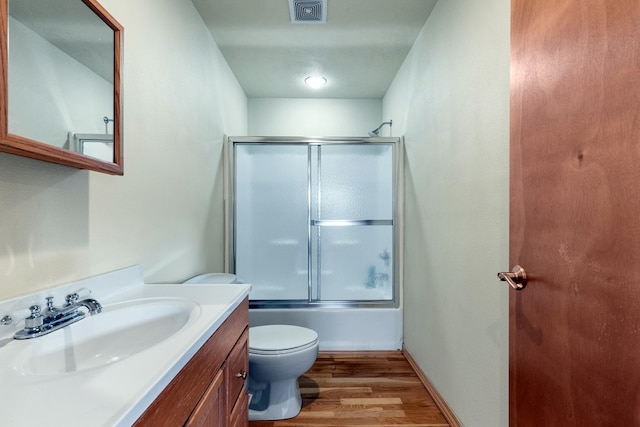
(238, 368)
(574, 354)
(211, 410)
(240, 414)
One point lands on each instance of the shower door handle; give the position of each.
(516, 278)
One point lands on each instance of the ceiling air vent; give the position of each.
(308, 11)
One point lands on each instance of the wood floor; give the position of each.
(373, 389)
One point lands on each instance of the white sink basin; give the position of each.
(121, 330)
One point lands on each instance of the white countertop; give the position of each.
(116, 393)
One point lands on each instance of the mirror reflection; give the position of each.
(63, 82)
(60, 70)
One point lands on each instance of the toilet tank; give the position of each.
(212, 279)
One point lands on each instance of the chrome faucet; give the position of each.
(72, 303)
(37, 324)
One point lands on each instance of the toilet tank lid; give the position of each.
(280, 337)
(212, 279)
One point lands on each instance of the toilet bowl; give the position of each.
(278, 355)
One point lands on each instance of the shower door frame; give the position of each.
(397, 216)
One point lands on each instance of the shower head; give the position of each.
(376, 131)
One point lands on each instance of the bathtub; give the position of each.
(351, 329)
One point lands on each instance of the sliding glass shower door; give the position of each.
(313, 222)
(271, 221)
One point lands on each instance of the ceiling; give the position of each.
(359, 49)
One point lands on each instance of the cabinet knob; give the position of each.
(242, 375)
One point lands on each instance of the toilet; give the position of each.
(213, 279)
(278, 355)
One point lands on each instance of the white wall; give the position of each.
(314, 117)
(451, 101)
(59, 224)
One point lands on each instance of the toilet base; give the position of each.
(278, 400)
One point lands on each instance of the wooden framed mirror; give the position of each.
(60, 69)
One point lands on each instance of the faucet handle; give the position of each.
(35, 320)
(50, 307)
(12, 317)
(75, 296)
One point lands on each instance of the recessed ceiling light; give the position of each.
(315, 81)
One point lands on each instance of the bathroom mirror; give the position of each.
(61, 77)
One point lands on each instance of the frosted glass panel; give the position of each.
(354, 182)
(355, 263)
(271, 223)
(314, 222)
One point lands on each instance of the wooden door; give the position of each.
(575, 213)
(211, 411)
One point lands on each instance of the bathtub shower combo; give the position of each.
(313, 225)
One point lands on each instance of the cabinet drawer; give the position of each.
(238, 367)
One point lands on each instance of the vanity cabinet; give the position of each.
(210, 389)
(210, 411)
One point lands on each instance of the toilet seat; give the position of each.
(280, 339)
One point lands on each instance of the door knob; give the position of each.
(517, 278)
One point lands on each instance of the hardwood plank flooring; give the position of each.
(373, 389)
